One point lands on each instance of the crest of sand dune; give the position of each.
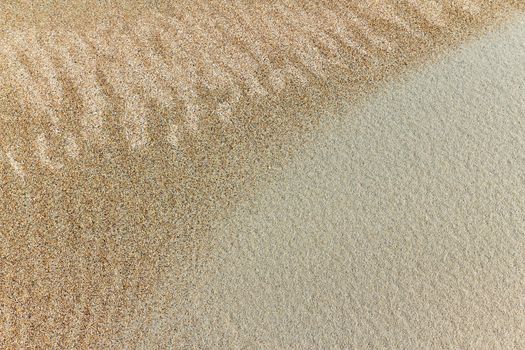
(127, 129)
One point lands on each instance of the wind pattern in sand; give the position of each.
(213, 83)
(196, 66)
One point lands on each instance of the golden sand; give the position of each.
(128, 128)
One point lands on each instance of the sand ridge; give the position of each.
(123, 138)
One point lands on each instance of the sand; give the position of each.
(399, 225)
(128, 129)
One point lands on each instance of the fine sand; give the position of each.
(129, 129)
(398, 226)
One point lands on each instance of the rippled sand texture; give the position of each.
(127, 129)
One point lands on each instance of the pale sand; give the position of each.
(399, 226)
(128, 129)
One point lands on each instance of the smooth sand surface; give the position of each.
(399, 226)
